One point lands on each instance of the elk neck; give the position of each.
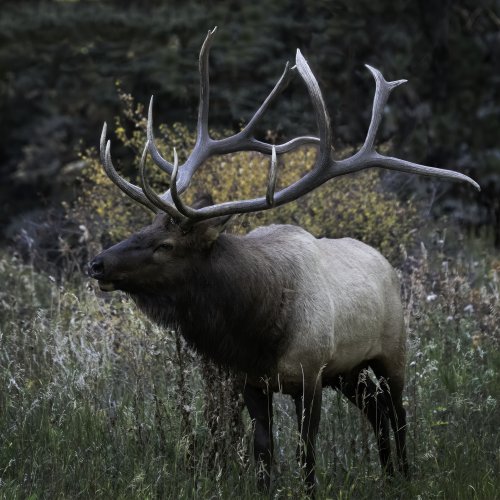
(232, 306)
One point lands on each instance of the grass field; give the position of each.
(96, 402)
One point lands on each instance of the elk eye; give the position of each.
(166, 247)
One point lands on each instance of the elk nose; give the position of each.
(96, 268)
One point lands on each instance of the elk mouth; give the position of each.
(106, 286)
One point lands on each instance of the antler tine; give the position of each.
(153, 150)
(102, 143)
(128, 188)
(321, 113)
(367, 156)
(201, 151)
(149, 192)
(244, 140)
(179, 204)
(202, 128)
(273, 176)
(281, 84)
(286, 147)
(203, 147)
(383, 89)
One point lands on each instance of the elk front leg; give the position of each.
(260, 407)
(308, 408)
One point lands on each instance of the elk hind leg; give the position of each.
(364, 393)
(392, 384)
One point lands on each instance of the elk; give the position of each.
(291, 312)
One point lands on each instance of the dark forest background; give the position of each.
(61, 63)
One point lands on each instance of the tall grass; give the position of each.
(97, 402)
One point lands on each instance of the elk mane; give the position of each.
(232, 308)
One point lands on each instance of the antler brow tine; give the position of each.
(149, 192)
(128, 188)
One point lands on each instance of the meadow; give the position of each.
(97, 402)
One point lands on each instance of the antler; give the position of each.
(325, 167)
(205, 146)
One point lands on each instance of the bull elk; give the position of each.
(292, 312)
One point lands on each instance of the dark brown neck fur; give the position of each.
(232, 307)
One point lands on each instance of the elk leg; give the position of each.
(392, 385)
(363, 392)
(260, 407)
(308, 408)
(397, 414)
(393, 390)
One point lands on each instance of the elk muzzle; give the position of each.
(96, 271)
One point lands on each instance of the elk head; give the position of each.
(158, 258)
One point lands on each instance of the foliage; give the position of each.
(100, 403)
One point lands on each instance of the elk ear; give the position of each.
(209, 230)
(203, 200)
